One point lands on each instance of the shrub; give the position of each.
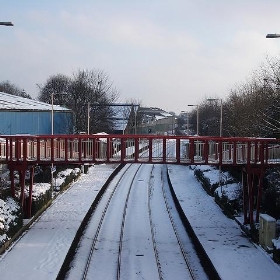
(203, 180)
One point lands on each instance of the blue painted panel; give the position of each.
(35, 122)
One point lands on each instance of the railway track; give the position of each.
(134, 232)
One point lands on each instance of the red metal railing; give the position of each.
(61, 149)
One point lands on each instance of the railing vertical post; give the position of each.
(123, 150)
(8, 148)
(109, 149)
(24, 154)
(29, 210)
(262, 153)
(192, 147)
(206, 151)
(136, 151)
(93, 150)
(11, 148)
(256, 157)
(266, 152)
(22, 173)
(80, 149)
(164, 150)
(150, 150)
(66, 149)
(178, 150)
(59, 148)
(17, 149)
(220, 147)
(52, 150)
(38, 149)
(248, 152)
(46, 154)
(234, 152)
(84, 147)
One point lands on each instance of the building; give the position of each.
(155, 121)
(21, 115)
(124, 118)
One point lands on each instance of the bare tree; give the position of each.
(57, 85)
(88, 93)
(10, 88)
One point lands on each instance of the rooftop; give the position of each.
(14, 102)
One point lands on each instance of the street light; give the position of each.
(272, 36)
(197, 117)
(6, 23)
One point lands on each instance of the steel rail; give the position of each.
(94, 241)
(104, 212)
(160, 273)
(185, 255)
(123, 224)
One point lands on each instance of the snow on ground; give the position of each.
(231, 252)
(49, 238)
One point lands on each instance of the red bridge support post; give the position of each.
(22, 173)
(252, 181)
(21, 168)
(29, 209)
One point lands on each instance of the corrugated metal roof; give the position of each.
(13, 102)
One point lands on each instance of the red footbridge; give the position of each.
(252, 155)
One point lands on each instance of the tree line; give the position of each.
(252, 109)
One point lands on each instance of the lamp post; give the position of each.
(197, 117)
(6, 23)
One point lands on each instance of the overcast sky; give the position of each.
(165, 53)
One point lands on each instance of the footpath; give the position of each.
(230, 250)
(40, 252)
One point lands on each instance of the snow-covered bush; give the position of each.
(10, 219)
